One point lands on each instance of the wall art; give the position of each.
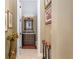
(6, 18)
(10, 19)
(48, 15)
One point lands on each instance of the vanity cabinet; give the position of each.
(28, 39)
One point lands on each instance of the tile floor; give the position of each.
(28, 54)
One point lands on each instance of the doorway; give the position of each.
(19, 26)
(29, 32)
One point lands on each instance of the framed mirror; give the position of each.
(28, 25)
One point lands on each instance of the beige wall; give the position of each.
(11, 6)
(45, 29)
(59, 33)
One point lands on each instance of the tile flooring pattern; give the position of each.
(28, 54)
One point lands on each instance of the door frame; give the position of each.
(38, 28)
(19, 25)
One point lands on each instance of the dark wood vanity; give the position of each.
(28, 39)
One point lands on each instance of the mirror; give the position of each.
(28, 24)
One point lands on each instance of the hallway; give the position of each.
(42, 27)
(28, 54)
